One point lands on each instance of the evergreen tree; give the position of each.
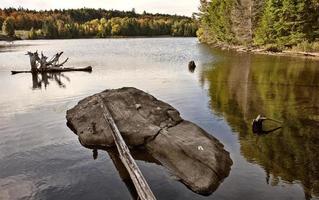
(49, 29)
(280, 22)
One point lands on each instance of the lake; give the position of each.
(40, 158)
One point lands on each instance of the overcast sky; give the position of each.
(181, 7)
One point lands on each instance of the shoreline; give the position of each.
(263, 51)
(15, 38)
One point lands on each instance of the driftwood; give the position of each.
(55, 70)
(40, 64)
(142, 188)
(258, 126)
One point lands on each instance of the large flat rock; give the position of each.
(187, 151)
(197, 158)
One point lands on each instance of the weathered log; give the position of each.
(34, 57)
(61, 64)
(43, 62)
(55, 70)
(54, 61)
(35, 60)
(258, 125)
(191, 154)
(142, 188)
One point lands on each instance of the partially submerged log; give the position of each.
(191, 154)
(259, 127)
(142, 188)
(56, 70)
(41, 65)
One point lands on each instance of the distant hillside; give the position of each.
(278, 23)
(86, 22)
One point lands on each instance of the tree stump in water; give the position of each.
(191, 66)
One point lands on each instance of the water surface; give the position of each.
(40, 158)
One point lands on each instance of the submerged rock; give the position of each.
(191, 154)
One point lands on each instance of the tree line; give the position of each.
(85, 22)
(284, 23)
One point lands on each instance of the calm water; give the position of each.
(40, 158)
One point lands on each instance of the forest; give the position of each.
(269, 23)
(86, 22)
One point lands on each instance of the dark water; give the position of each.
(40, 158)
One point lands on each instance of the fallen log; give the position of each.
(187, 151)
(55, 70)
(141, 186)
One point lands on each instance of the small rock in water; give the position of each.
(191, 66)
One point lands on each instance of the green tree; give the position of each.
(49, 29)
(287, 22)
(215, 21)
(8, 26)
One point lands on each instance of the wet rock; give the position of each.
(195, 157)
(136, 123)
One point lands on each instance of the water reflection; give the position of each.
(280, 88)
(137, 154)
(40, 80)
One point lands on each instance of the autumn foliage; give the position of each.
(85, 22)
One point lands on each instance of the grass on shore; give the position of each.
(305, 46)
(22, 34)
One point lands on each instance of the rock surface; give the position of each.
(195, 157)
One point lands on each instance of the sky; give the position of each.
(180, 7)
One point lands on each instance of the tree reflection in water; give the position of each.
(242, 86)
(40, 80)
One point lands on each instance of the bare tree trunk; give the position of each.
(54, 61)
(33, 60)
(45, 65)
(43, 62)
